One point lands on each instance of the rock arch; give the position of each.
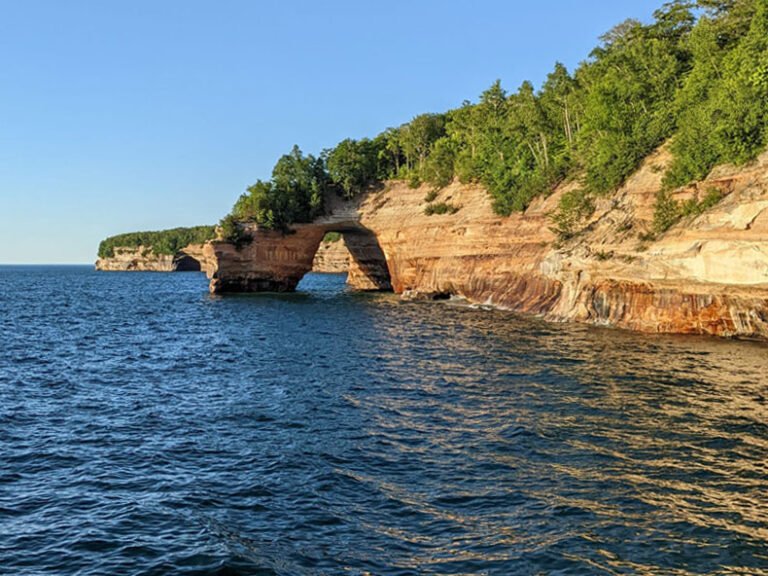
(183, 262)
(276, 261)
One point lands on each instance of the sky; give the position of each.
(133, 115)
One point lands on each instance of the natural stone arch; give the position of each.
(332, 257)
(368, 269)
(183, 262)
(276, 261)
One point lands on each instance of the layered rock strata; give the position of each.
(331, 258)
(707, 275)
(275, 261)
(142, 259)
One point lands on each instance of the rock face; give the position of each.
(276, 262)
(707, 275)
(331, 258)
(142, 259)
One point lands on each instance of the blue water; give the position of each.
(149, 428)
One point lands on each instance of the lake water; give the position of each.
(149, 428)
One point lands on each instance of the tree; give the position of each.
(560, 105)
(630, 86)
(417, 138)
(353, 165)
(697, 74)
(390, 154)
(300, 183)
(721, 110)
(294, 194)
(439, 167)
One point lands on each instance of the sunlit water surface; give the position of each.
(148, 428)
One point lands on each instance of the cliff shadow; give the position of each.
(276, 261)
(186, 263)
(368, 269)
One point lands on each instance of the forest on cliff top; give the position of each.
(696, 76)
(159, 242)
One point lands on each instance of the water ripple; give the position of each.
(147, 428)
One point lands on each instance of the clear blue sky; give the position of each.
(126, 115)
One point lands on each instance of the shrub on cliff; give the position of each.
(669, 211)
(441, 208)
(574, 207)
(231, 230)
(332, 237)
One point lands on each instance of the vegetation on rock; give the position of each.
(573, 208)
(157, 242)
(294, 194)
(332, 237)
(441, 208)
(696, 75)
(670, 211)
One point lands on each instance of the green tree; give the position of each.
(439, 166)
(353, 165)
(721, 106)
(300, 183)
(294, 194)
(628, 112)
(390, 154)
(165, 242)
(417, 138)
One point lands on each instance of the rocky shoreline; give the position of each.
(142, 259)
(706, 275)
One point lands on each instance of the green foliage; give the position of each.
(723, 103)
(353, 165)
(574, 207)
(232, 230)
(417, 138)
(295, 193)
(439, 166)
(696, 207)
(431, 196)
(158, 242)
(441, 208)
(390, 153)
(332, 237)
(669, 211)
(413, 178)
(628, 109)
(697, 74)
(666, 213)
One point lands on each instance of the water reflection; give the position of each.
(597, 429)
(340, 433)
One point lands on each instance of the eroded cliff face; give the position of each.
(707, 275)
(275, 261)
(331, 258)
(142, 259)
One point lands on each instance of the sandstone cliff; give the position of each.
(707, 275)
(142, 259)
(331, 258)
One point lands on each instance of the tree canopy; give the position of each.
(157, 242)
(697, 75)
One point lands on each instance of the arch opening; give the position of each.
(276, 261)
(355, 252)
(186, 263)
